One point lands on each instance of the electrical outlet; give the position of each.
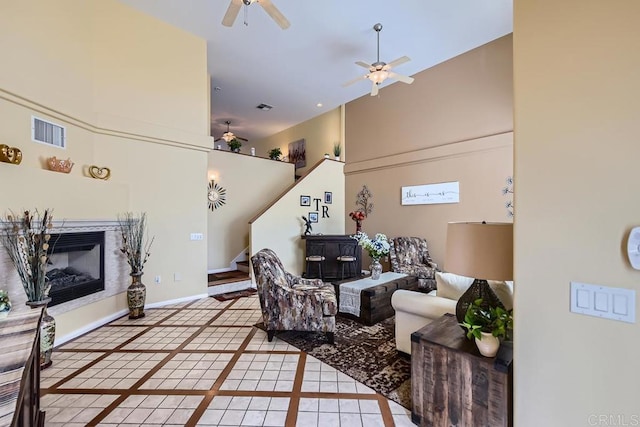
(177, 277)
(158, 279)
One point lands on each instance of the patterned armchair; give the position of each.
(410, 255)
(291, 303)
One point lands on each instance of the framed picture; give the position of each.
(313, 216)
(297, 153)
(328, 197)
(305, 200)
(428, 194)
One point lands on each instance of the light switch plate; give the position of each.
(603, 301)
(197, 236)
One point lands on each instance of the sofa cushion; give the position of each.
(451, 285)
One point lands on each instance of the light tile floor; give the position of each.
(202, 363)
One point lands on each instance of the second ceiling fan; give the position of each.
(229, 136)
(379, 71)
(272, 11)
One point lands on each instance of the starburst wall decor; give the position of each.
(217, 195)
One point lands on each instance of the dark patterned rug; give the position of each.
(366, 353)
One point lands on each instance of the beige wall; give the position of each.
(247, 194)
(281, 226)
(576, 159)
(101, 69)
(453, 123)
(320, 133)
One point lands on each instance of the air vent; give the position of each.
(264, 107)
(47, 133)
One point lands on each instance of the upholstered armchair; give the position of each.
(291, 303)
(410, 255)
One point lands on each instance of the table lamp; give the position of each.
(483, 251)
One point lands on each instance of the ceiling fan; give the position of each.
(272, 11)
(229, 136)
(379, 71)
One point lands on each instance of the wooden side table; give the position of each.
(452, 384)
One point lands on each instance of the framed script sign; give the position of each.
(429, 194)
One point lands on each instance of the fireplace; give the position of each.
(76, 267)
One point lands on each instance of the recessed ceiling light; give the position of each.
(264, 107)
(319, 104)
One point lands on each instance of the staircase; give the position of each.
(230, 281)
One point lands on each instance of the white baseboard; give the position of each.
(94, 325)
(175, 301)
(90, 327)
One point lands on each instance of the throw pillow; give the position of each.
(451, 285)
(504, 291)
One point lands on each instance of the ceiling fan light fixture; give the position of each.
(378, 76)
(228, 136)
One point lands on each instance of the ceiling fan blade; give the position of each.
(374, 90)
(350, 82)
(216, 140)
(242, 139)
(274, 13)
(364, 65)
(401, 78)
(232, 13)
(397, 62)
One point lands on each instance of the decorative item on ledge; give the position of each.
(10, 154)
(99, 172)
(358, 217)
(5, 304)
(337, 149)
(59, 165)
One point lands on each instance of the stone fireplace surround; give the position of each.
(116, 269)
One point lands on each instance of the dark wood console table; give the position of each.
(452, 384)
(331, 267)
(20, 370)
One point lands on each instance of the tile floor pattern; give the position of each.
(201, 363)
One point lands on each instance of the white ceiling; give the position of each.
(295, 69)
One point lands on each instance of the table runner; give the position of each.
(350, 291)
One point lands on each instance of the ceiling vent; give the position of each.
(47, 132)
(264, 107)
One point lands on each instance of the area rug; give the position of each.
(365, 353)
(237, 294)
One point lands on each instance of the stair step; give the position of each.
(243, 266)
(215, 279)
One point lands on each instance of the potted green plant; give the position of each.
(234, 145)
(337, 149)
(275, 153)
(27, 240)
(487, 326)
(136, 248)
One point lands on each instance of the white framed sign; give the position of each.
(428, 194)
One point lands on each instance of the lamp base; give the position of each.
(479, 289)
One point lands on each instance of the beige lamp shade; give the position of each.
(480, 250)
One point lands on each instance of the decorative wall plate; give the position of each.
(10, 154)
(99, 172)
(217, 195)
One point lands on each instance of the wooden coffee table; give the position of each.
(375, 300)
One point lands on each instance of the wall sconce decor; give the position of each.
(59, 165)
(99, 172)
(10, 154)
(216, 196)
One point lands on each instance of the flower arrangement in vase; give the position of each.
(358, 217)
(487, 326)
(376, 247)
(27, 240)
(136, 248)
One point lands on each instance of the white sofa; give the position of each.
(415, 310)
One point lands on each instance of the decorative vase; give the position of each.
(479, 289)
(488, 345)
(136, 294)
(338, 158)
(376, 268)
(47, 332)
(358, 226)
